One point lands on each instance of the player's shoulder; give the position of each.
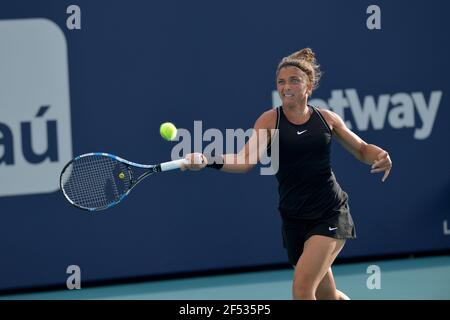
(324, 112)
(332, 118)
(268, 119)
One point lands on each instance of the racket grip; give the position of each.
(172, 165)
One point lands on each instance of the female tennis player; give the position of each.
(314, 208)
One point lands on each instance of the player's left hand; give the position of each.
(383, 163)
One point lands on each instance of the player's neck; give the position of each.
(297, 111)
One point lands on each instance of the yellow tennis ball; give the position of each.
(168, 131)
(121, 175)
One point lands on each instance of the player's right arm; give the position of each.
(257, 144)
(250, 154)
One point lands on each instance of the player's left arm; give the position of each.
(364, 152)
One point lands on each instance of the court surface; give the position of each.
(412, 278)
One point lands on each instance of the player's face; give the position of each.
(293, 85)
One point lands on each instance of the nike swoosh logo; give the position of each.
(300, 132)
(331, 229)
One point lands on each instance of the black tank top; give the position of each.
(306, 184)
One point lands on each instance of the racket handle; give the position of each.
(176, 164)
(172, 165)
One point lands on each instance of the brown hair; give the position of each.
(305, 60)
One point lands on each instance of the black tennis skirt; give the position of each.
(297, 231)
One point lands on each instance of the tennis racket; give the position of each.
(98, 181)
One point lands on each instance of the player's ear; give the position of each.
(310, 88)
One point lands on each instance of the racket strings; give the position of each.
(96, 181)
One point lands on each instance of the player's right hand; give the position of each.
(196, 161)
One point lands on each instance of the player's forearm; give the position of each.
(369, 153)
(234, 163)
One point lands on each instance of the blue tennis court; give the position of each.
(414, 278)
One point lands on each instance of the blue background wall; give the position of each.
(136, 64)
